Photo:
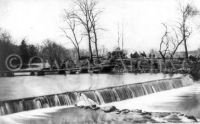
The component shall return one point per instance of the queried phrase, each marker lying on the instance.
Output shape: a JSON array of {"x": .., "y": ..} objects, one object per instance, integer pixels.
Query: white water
[{"x": 185, "y": 100}]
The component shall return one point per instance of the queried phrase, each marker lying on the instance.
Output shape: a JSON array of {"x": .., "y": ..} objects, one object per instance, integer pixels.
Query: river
[
  {"x": 31, "y": 86},
  {"x": 185, "y": 100}
]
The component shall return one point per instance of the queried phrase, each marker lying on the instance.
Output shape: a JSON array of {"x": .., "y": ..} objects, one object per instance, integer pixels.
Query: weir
[{"x": 98, "y": 96}]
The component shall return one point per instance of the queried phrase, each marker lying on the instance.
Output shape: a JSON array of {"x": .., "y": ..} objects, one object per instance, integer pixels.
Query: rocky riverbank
[
  {"x": 112, "y": 114},
  {"x": 95, "y": 115}
]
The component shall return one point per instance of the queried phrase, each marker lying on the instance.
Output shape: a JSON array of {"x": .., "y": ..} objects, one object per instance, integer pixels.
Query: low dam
[{"x": 93, "y": 96}]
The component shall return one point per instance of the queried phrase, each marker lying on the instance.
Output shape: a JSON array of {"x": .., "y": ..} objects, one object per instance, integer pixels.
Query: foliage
[
  {"x": 7, "y": 47},
  {"x": 26, "y": 52},
  {"x": 143, "y": 54},
  {"x": 135, "y": 55},
  {"x": 54, "y": 52}
]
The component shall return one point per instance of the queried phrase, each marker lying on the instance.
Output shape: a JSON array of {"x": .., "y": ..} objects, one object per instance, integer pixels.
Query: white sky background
[{"x": 37, "y": 20}]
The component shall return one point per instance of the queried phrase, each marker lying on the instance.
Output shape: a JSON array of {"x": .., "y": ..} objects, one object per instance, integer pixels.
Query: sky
[{"x": 38, "y": 20}]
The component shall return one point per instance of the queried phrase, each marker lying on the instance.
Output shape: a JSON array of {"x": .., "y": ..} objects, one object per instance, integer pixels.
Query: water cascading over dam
[{"x": 98, "y": 96}]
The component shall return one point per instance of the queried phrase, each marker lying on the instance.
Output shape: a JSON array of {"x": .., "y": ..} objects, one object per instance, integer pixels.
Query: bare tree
[
  {"x": 175, "y": 42},
  {"x": 72, "y": 27},
  {"x": 118, "y": 36},
  {"x": 170, "y": 43},
  {"x": 184, "y": 30},
  {"x": 83, "y": 16},
  {"x": 171, "y": 40},
  {"x": 54, "y": 52},
  {"x": 164, "y": 44},
  {"x": 122, "y": 33},
  {"x": 93, "y": 20},
  {"x": 87, "y": 15}
]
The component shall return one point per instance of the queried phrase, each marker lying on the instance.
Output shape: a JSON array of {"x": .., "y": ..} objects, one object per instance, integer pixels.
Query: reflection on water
[{"x": 21, "y": 87}]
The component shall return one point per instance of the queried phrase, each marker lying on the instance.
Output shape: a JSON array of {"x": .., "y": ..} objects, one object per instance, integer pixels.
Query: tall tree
[
  {"x": 72, "y": 27},
  {"x": 93, "y": 20},
  {"x": 83, "y": 16},
  {"x": 87, "y": 14},
  {"x": 186, "y": 12},
  {"x": 170, "y": 43}
]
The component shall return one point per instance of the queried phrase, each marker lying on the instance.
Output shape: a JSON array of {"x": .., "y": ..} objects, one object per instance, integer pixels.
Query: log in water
[{"x": 99, "y": 96}]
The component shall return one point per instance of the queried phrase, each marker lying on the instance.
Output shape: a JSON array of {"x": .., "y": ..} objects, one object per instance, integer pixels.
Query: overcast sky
[{"x": 37, "y": 20}]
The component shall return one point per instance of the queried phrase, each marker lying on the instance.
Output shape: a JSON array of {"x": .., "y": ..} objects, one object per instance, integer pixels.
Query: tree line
[
  {"x": 82, "y": 25},
  {"x": 83, "y": 22},
  {"x": 49, "y": 50}
]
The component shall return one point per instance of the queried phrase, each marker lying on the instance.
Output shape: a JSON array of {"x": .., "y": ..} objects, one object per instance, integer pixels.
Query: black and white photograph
[{"x": 99, "y": 61}]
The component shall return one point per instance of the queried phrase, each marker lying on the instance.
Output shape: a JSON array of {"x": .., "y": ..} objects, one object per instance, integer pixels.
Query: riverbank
[{"x": 94, "y": 115}]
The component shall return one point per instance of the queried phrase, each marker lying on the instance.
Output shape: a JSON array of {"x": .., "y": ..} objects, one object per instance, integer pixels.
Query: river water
[
  {"x": 185, "y": 100},
  {"x": 31, "y": 86}
]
